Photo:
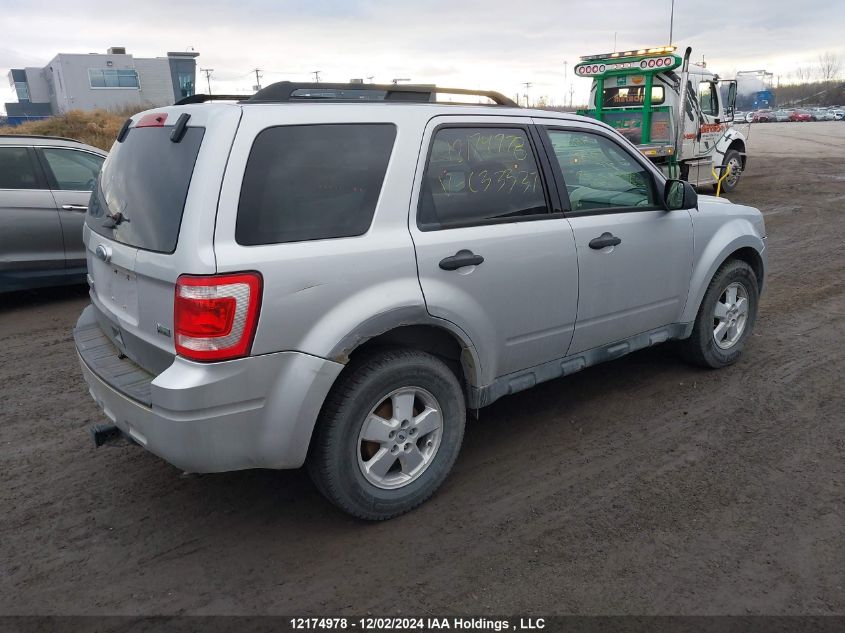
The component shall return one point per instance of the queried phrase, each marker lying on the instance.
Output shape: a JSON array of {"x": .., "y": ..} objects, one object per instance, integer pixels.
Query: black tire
[
  {"x": 333, "y": 458},
  {"x": 729, "y": 184},
  {"x": 701, "y": 348}
]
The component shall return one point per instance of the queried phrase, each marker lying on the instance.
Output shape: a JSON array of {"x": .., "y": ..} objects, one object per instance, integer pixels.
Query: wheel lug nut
[
  {"x": 413, "y": 431},
  {"x": 393, "y": 450},
  {"x": 407, "y": 447}
]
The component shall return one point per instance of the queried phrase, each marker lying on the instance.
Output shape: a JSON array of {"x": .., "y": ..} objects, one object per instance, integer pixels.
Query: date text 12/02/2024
[{"x": 417, "y": 624}]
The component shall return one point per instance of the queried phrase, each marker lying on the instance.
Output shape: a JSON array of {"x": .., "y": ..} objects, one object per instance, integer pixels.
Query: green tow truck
[{"x": 639, "y": 93}]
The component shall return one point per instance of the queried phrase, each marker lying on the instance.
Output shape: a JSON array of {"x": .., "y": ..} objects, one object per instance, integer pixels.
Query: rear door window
[
  {"x": 141, "y": 191},
  {"x": 480, "y": 175},
  {"x": 312, "y": 182}
]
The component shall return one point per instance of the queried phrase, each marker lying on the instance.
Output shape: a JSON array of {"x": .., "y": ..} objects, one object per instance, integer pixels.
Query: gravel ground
[{"x": 640, "y": 486}]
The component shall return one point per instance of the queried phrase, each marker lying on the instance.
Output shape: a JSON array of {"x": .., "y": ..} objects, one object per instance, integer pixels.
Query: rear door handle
[
  {"x": 74, "y": 207},
  {"x": 604, "y": 240},
  {"x": 460, "y": 259}
]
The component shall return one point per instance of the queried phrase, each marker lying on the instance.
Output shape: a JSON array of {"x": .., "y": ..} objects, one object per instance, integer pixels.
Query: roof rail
[
  {"x": 294, "y": 91},
  {"x": 46, "y": 136},
  {"x": 201, "y": 98}
]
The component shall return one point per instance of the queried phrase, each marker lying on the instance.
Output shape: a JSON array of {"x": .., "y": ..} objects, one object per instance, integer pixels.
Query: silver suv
[
  {"x": 45, "y": 183},
  {"x": 333, "y": 275}
]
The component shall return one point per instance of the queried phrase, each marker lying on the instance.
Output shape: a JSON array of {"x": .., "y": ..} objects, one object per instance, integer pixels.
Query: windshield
[{"x": 141, "y": 190}]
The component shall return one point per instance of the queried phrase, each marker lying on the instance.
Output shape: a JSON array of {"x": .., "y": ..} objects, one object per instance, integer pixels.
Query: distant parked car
[
  {"x": 739, "y": 116},
  {"x": 45, "y": 184},
  {"x": 781, "y": 115},
  {"x": 800, "y": 115},
  {"x": 763, "y": 116},
  {"x": 838, "y": 115},
  {"x": 821, "y": 114}
]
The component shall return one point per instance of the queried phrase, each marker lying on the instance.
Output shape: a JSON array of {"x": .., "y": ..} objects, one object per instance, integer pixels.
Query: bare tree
[
  {"x": 804, "y": 74},
  {"x": 829, "y": 65}
]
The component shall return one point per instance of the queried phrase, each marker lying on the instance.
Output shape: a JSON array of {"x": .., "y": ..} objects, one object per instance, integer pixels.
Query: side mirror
[
  {"x": 730, "y": 102},
  {"x": 679, "y": 194}
]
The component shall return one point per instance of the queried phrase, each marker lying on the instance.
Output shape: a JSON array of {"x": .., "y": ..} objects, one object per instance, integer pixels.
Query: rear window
[
  {"x": 312, "y": 182},
  {"x": 625, "y": 96},
  {"x": 141, "y": 191}
]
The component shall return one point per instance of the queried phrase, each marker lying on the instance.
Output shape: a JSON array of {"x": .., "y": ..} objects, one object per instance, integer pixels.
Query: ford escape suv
[{"x": 332, "y": 275}]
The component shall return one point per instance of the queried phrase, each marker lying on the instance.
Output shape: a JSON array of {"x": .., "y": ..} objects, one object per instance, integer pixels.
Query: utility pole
[
  {"x": 316, "y": 74},
  {"x": 527, "y": 85},
  {"x": 207, "y": 72},
  {"x": 257, "y": 79},
  {"x": 565, "y": 64},
  {"x": 671, "y": 22}
]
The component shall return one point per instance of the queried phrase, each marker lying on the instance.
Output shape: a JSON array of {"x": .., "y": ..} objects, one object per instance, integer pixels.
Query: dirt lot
[{"x": 640, "y": 486}]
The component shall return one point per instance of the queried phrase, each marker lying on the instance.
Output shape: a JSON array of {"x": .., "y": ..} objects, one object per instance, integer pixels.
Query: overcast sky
[{"x": 495, "y": 44}]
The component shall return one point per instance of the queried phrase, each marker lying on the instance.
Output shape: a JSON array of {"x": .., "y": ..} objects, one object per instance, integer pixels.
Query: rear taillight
[{"x": 215, "y": 317}]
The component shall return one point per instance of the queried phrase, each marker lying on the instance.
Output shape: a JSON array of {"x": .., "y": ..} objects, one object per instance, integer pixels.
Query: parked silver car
[
  {"x": 308, "y": 277},
  {"x": 45, "y": 183}
]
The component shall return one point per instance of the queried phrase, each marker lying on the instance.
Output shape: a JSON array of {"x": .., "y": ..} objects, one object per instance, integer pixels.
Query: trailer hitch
[{"x": 103, "y": 434}]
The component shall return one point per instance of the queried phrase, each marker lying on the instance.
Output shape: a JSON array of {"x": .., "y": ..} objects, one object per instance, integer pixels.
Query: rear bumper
[{"x": 255, "y": 412}]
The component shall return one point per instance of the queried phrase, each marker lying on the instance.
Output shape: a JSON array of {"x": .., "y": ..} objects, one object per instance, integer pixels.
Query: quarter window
[
  {"x": 16, "y": 170},
  {"x": 72, "y": 170},
  {"x": 599, "y": 174},
  {"x": 311, "y": 182},
  {"x": 480, "y": 176}
]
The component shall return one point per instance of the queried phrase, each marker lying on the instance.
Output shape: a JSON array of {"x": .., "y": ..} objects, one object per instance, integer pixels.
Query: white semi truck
[{"x": 640, "y": 93}]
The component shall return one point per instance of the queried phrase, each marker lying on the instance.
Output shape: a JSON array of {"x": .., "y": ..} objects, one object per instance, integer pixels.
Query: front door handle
[
  {"x": 460, "y": 259},
  {"x": 74, "y": 207},
  {"x": 604, "y": 240}
]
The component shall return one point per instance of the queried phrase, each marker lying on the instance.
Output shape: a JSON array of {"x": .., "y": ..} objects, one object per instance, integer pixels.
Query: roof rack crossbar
[{"x": 286, "y": 91}]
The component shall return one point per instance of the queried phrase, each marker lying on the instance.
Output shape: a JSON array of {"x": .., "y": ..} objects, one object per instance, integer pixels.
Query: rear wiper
[{"x": 114, "y": 219}]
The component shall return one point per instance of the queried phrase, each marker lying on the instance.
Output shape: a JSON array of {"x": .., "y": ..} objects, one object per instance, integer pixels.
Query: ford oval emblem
[{"x": 103, "y": 253}]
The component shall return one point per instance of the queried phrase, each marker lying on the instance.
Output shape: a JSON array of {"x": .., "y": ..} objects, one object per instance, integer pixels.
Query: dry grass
[{"x": 97, "y": 127}]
